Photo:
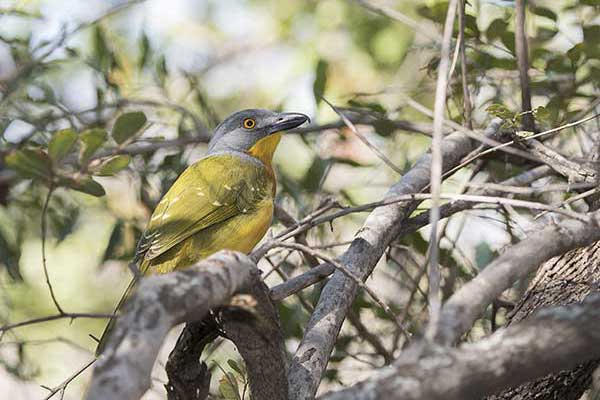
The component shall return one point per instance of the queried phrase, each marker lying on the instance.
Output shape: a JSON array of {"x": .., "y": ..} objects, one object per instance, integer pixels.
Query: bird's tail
[{"x": 111, "y": 324}]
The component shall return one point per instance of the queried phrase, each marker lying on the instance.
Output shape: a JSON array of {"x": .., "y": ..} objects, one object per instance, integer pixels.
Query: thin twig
[
  {"x": 44, "y": 265},
  {"x": 436, "y": 161},
  {"x": 402, "y": 18},
  {"x": 523, "y": 65},
  {"x": 506, "y": 144},
  {"x": 463, "y": 65},
  {"x": 64, "y": 315},
  {"x": 363, "y": 139},
  {"x": 62, "y": 387},
  {"x": 339, "y": 266}
]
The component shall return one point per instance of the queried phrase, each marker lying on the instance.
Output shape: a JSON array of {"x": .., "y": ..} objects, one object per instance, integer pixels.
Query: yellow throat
[{"x": 265, "y": 148}]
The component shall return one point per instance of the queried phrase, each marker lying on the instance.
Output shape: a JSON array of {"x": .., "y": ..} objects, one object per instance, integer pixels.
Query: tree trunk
[{"x": 562, "y": 280}]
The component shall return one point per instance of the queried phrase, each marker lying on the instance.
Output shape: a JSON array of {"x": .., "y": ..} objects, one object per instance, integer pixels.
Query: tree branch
[
  {"x": 523, "y": 65},
  {"x": 161, "y": 302},
  {"x": 469, "y": 302},
  {"x": 555, "y": 339},
  {"x": 380, "y": 228}
]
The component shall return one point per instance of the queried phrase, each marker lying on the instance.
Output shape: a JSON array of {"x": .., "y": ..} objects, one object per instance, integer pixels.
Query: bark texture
[
  {"x": 562, "y": 280},
  {"x": 552, "y": 339},
  {"x": 161, "y": 302}
]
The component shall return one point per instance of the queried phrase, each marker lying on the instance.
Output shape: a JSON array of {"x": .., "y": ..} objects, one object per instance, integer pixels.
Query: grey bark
[
  {"x": 380, "y": 228},
  {"x": 562, "y": 280},
  {"x": 161, "y": 302},
  {"x": 552, "y": 340},
  {"x": 468, "y": 303}
]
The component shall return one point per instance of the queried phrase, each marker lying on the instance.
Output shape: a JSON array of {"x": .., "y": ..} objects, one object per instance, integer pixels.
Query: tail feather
[{"x": 111, "y": 324}]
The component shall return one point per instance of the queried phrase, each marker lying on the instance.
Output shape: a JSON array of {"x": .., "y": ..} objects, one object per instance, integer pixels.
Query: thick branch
[
  {"x": 380, "y": 228},
  {"x": 573, "y": 171},
  {"x": 469, "y": 302},
  {"x": 161, "y": 302},
  {"x": 553, "y": 340},
  {"x": 258, "y": 337}
]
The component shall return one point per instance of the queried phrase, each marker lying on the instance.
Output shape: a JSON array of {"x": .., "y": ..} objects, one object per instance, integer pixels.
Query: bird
[{"x": 225, "y": 200}]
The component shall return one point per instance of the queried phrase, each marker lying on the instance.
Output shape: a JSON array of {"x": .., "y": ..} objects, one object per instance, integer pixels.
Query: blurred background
[{"x": 186, "y": 64}]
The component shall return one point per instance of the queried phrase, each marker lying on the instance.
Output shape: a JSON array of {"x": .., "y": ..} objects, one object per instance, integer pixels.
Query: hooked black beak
[{"x": 286, "y": 121}]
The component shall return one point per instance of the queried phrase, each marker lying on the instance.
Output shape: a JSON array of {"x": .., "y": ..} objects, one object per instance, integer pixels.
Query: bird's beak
[{"x": 286, "y": 121}]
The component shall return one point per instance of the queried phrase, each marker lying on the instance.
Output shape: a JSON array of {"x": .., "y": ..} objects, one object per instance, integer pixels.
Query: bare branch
[
  {"x": 555, "y": 339},
  {"x": 64, "y": 315},
  {"x": 468, "y": 303},
  {"x": 522, "y": 51},
  {"x": 161, "y": 302},
  {"x": 434, "y": 300},
  {"x": 380, "y": 228},
  {"x": 463, "y": 65}
]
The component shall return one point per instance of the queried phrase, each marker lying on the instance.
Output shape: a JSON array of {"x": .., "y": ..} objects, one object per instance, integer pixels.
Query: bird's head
[{"x": 254, "y": 131}]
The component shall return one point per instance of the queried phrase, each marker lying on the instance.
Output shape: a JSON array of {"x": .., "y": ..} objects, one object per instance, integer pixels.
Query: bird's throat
[{"x": 265, "y": 148}]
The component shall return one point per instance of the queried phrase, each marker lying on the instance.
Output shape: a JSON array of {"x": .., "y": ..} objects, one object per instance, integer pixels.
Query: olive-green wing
[{"x": 210, "y": 191}]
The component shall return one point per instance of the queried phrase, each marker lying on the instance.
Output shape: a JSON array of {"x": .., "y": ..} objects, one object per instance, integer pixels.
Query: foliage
[{"x": 106, "y": 114}]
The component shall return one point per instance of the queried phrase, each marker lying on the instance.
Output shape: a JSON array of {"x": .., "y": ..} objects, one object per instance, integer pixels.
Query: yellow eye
[{"x": 249, "y": 123}]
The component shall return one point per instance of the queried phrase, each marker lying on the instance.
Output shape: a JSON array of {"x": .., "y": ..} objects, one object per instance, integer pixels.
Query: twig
[
  {"x": 400, "y": 17},
  {"x": 516, "y": 262},
  {"x": 61, "y": 388},
  {"x": 64, "y": 315},
  {"x": 339, "y": 266},
  {"x": 506, "y": 144},
  {"x": 363, "y": 139},
  {"x": 523, "y": 65},
  {"x": 436, "y": 163},
  {"x": 463, "y": 65},
  {"x": 314, "y": 275},
  {"x": 44, "y": 265},
  {"x": 572, "y": 200}
]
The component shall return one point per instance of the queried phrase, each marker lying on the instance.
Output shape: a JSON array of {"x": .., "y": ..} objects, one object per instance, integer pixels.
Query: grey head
[{"x": 241, "y": 130}]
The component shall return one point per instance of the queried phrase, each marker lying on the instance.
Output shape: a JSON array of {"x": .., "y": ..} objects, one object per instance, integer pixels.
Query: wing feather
[{"x": 212, "y": 190}]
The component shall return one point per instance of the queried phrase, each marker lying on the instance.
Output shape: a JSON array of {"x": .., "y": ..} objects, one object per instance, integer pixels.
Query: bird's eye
[{"x": 249, "y": 123}]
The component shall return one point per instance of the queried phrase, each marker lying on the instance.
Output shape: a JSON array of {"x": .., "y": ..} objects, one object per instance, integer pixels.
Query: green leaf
[
  {"x": 471, "y": 28},
  {"x": 541, "y": 113},
  {"x": 9, "y": 256},
  {"x": 91, "y": 140},
  {"x": 320, "y": 80},
  {"x": 545, "y": 34},
  {"x": 575, "y": 52},
  {"x": 61, "y": 144},
  {"x": 370, "y": 105},
  {"x": 500, "y": 111},
  {"x": 591, "y": 33},
  {"x": 127, "y": 125},
  {"x": 312, "y": 179},
  {"x": 101, "y": 52},
  {"x": 236, "y": 367},
  {"x": 161, "y": 70},
  {"x": 228, "y": 387},
  {"x": 116, "y": 237},
  {"x": 435, "y": 12},
  {"x": 144, "y": 51},
  {"x": 544, "y": 12},
  {"x": 87, "y": 185},
  {"x": 112, "y": 165},
  {"x": 496, "y": 29},
  {"x": 31, "y": 163},
  {"x": 384, "y": 127}
]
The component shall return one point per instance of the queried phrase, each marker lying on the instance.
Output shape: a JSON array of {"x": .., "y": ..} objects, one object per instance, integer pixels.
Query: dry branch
[
  {"x": 380, "y": 228},
  {"x": 469, "y": 302},
  {"x": 555, "y": 339},
  {"x": 161, "y": 302}
]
